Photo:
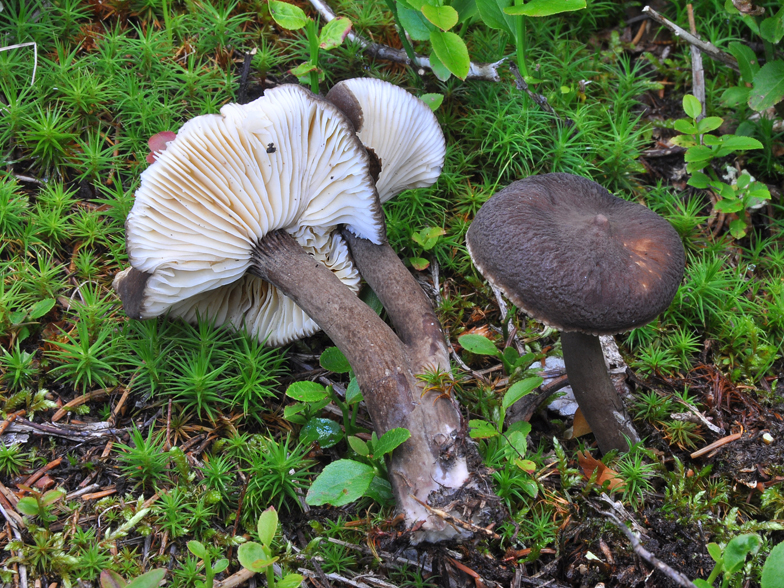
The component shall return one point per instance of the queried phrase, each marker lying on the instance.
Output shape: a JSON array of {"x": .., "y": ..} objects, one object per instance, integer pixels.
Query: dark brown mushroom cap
[{"x": 572, "y": 255}]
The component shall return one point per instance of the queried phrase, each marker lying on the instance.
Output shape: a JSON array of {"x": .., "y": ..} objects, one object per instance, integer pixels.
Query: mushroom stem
[
  {"x": 434, "y": 457},
  {"x": 594, "y": 391}
]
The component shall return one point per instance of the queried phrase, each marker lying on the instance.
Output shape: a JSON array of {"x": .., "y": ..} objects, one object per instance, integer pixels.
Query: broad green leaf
[
  {"x": 691, "y": 106},
  {"x": 334, "y": 32},
  {"x": 683, "y": 141},
  {"x": 381, "y": 491},
  {"x": 698, "y": 180},
  {"x": 444, "y": 17},
  {"x": 452, "y": 52},
  {"x": 151, "y": 579},
  {"x": 325, "y": 432},
  {"x": 333, "y": 360},
  {"x": 419, "y": 263},
  {"x": 254, "y": 557},
  {"x": 267, "y": 526},
  {"x": 197, "y": 548},
  {"x": 738, "y": 228},
  {"x": 479, "y": 429},
  {"x": 732, "y": 143},
  {"x": 747, "y": 60},
  {"x": 340, "y": 483},
  {"x": 432, "y": 100},
  {"x": 418, "y": 4},
  {"x": 708, "y": 124},
  {"x": 287, "y": 15},
  {"x": 518, "y": 444},
  {"x": 291, "y": 413},
  {"x": 714, "y": 550},
  {"x": 492, "y": 14},
  {"x": 390, "y": 440},
  {"x": 728, "y": 206},
  {"x": 372, "y": 300},
  {"x": 735, "y": 96},
  {"x": 220, "y": 565},
  {"x": 699, "y": 153},
  {"x": 738, "y": 548},
  {"x": 768, "y": 86},
  {"x": 523, "y": 427},
  {"x": 111, "y": 579},
  {"x": 478, "y": 344},
  {"x": 545, "y": 7},
  {"x": 683, "y": 125},
  {"x": 353, "y": 392},
  {"x": 358, "y": 445},
  {"x": 40, "y": 308},
  {"x": 439, "y": 69},
  {"x": 415, "y": 23},
  {"x": 526, "y": 465},
  {"x": 772, "y": 28},
  {"x": 307, "y": 391},
  {"x": 520, "y": 389},
  {"x": 510, "y": 356},
  {"x": 28, "y": 505},
  {"x": 465, "y": 8},
  {"x": 772, "y": 575},
  {"x": 290, "y": 581},
  {"x": 302, "y": 71},
  {"x": 52, "y": 496}
]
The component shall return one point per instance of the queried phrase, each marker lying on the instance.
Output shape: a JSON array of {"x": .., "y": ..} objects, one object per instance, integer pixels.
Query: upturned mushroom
[
  {"x": 583, "y": 261},
  {"x": 232, "y": 196}
]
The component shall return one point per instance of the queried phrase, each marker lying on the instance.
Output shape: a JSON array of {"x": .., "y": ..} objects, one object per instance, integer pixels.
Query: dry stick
[
  {"x": 476, "y": 71},
  {"x": 716, "y": 445},
  {"x": 22, "y": 569},
  {"x": 707, "y": 48},
  {"x": 697, "y": 73},
  {"x": 236, "y": 579}
]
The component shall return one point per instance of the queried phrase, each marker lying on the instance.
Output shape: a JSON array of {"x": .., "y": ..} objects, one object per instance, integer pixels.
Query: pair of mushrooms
[{"x": 248, "y": 217}]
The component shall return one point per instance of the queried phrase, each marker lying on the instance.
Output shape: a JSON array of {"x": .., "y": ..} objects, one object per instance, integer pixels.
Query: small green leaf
[
  {"x": 772, "y": 28},
  {"x": 267, "y": 526},
  {"x": 220, "y": 565},
  {"x": 728, "y": 206},
  {"x": 700, "y": 583},
  {"x": 683, "y": 141},
  {"x": 520, "y": 389},
  {"x": 492, "y": 14},
  {"x": 692, "y": 106},
  {"x": 714, "y": 550},
  {"x": 52, "y": 496},
  {"x": 40, "y": 308},
  {"x": 732, "y": 143},
  {"x": 526, "y": 465},
  {"x": 523, "y": 427},
  {"x": 353, "y": 392},
  {"x": 439, "y": 69},
  {"x": 334, "y": 32},
  {"x": 415, "y": 23},
  {"x": 307, "y": 391},
  {"x": 708, "y": 124},
  {"x": 390, "y": 440},
  {"x": 333, "y": 360},
  {"x": 254, "y": 557},
  {"x": 358, "y": 445},
  {"x": 197, "y": 548},
  {"x": 698, "y": 180},
  {"x": 289, "y": 581},
  {"x": 738, "y": 548},
  {"x": 432, "y": 100},
  {"x": 735, "y": 96},
  {"x": 768, "y": 86},
  {"x": 738, "y": 228},
  {"x": 325, "y": 432},
  {"x": 151, "y": 579},
  {"x": 111, "y": 579},
  {"x": 303, "y": 70},
  {"x": 545, "y": 7},
  {"x": 381, "y": 491},
  {"x": 517, "y": 443},
  {"x": 478, "y": 344},
  {"x": 479, "y": 429},
  {"x": 699, "y": 153},
  {"x": 28, "y": 505},
  {"x": 287, "y": 15},
  {"x": 683, "y": 125},
  {"x": 772, "y": 576},
  {"x": 340, "y": 483},
  {"x": 747, "y": 60},
  {"x": 452, "y": 52},
  {"x": 444, "y": 17},
  {"x": 419, "y": 263}
]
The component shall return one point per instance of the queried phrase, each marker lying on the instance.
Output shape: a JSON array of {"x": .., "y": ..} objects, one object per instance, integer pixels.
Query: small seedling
[
  {"x": 510, "y": 358},
  {"x": 257, "y": 557},
  {"x": 40, "y": 505},
  {"x": 731, "y": 559},
  {"x": 152, "y": 579},
  {"x": 210, "y": 570},
  {"x": 426, "y": 239}
]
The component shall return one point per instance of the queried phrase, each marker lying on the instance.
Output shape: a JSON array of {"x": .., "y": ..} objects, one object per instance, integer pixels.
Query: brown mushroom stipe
[{"x": 572, "y": 255}]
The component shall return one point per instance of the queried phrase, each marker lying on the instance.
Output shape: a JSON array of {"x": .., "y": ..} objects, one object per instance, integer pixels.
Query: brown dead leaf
[
  {"x": 580, "y": 426},
  {"x": 589, "y": 464}
]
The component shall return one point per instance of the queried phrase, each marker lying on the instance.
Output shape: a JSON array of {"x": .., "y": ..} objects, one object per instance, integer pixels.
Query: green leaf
[
  {"x": 768, "y": 86},
  {"x": 732, "y": 143},
  {"x": 353, "y": 392},
  {"x": 517, "y": 440},
  {"x": 307, "y": 391},
  {"x": 492, "y": 14},
  {"x": 333, "y": 360},
  {"x": 738, "y": 228},
  {"x": 735, "y": 96},
  {"x": 683, "y": 125},
  {"x": 520, "y": 389},
  {"x": 479, "y": 429},
  {"x": 254, "y": 557},
  {"x": 340, "y": 483},
  {"x": 714, "y": 550},
  {"x": 683, "y": 141},
  {"x": 302, "y": 71},
  {"x": 197, "y": 548},
  {"x": 111, "y": 579},
  {"x": 465, "y": 8},
  {"x": 325, "y": 432},
  {"x": 772, "y": 576},
  {"x": 419, "y": 263},
  {"x": 292, "y": 413},
  {"x": 334, "y": 32},
  {"x": 698, "y": 180},
  {"x": 40, "y": 308},
  {"x": 747, "y": 60},
  {"x": 691, "y": 106},
  {"x": 415, "y": 23},
  {"x": 478, "y": 344},
  {"x": 289, "y": 581},
  {"x": 452, "y": 52},
  {"x": 432, "y": 100},
  {"x": 381, "y": 491},
  {"x": 28, "y": 505},
  {"x": 358, "y": 445},
  {"x": 708, "y": 124},
  {"x": 699, "y": 583},
  {"x": 151, "y": 579},
  {"x": 390, "y": 440},
  {"x": 699, "y": 153},
  {"x": 51, "y": 497},
  {"x": 444, "y": 17},
  {"x": 545, "y": 7},
  {"x": 287, "y": 15},
  {"x": 439, "y": 69},
  {"x": 772, "y": 28},
  {"x": 738, "y": 548},
  {"x": 728, "y": 206},
  {"x": 523, "y": 427},
  {"x": 220, "y": 565},
  {"x": 267, "y": 526}
]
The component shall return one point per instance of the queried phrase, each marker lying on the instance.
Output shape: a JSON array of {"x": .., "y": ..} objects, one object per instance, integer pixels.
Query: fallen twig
[
  {"x": 236, "y": 579},
  {"x": 79, "y": 400},
  {"x": 90, "y": 431},
  {"x": 476, "y": 71},
  {"x": 716, "y": 445},
  {"x": 708, "y": 48},
  {"x": 697, "y": 73}
]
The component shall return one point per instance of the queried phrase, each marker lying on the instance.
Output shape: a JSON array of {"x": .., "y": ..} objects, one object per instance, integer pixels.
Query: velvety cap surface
[{"x": 570, "y": 254}]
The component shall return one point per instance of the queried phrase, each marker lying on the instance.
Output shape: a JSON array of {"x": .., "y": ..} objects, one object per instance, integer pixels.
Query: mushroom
[
  {"x": 231, "y": 199},
  {"x": 583, "y": 261}
]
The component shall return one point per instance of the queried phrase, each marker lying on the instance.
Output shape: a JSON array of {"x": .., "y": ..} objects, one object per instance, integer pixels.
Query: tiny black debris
[{"x": 271, "y": 148}]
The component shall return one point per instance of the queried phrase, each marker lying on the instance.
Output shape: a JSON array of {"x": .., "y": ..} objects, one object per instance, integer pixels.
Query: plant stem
[
  {"x": 313, "y": 43},
  {"x": 271, "y": 577},
  {"x": 402, "y": 32},
  {"x": 167, "y": 23},
  {"x": 520, "y": 41}
]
